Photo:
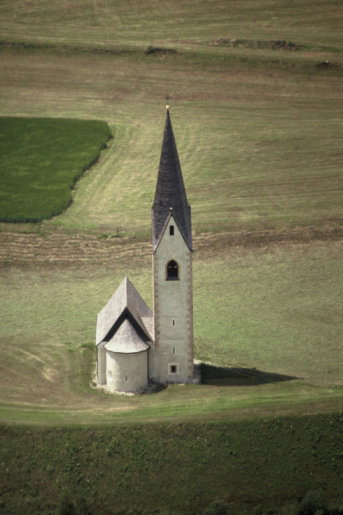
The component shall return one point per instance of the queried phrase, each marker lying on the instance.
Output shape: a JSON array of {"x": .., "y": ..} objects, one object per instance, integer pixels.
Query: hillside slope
[
  {"x": 256, "y": 97},
  {"x": 258, "y": 127}
]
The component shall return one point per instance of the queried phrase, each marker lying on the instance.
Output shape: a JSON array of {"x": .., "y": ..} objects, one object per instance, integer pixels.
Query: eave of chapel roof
[
  {"x": 125, "y": 298},
  {"x": 170, "y": 191}
]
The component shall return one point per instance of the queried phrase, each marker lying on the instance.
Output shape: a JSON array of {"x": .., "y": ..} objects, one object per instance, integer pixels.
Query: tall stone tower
[{"x": 171, "y": 356}]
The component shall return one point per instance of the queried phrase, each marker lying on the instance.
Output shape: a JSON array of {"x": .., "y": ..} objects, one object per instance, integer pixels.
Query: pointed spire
[{"x": 170, "y": 195}]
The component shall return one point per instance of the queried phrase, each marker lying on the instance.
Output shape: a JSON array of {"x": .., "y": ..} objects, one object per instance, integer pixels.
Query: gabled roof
[
  {"x": 126, "y": 340},
  {"x": 125, "y": 299},
  {"x": 165, "y": 225},
  {"x": 170, "y": 191}
]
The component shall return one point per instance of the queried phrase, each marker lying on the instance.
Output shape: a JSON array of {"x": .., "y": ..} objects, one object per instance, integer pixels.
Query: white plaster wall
[
  {"x": 101, "y": 364},
  {"x": 173, "y": 310},
  {"x": 126, "y": 372}
]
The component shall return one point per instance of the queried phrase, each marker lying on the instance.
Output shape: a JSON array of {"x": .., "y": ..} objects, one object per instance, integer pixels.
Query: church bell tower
[{"x": 171, "y": 356}]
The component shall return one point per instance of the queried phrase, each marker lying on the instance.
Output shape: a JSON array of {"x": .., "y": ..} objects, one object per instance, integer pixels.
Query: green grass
[
  {"x": 259, "y": 134},
  {"x": 262, "y": 311},
  {"x": 41, "y": 161},
  {"x": 258, "y": 130},
  {"x": 245, "y": 167},
  {"x": 264, "y": 307},
  {"x": 172, "y": 467},
  {"x": 118, "y": 24}
]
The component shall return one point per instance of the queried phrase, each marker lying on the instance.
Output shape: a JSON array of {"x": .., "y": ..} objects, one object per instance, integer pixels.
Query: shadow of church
[{"x": 234, "y": 376}]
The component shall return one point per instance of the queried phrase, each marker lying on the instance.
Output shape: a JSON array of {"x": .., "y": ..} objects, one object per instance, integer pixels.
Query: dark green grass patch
[
  {"x": 41, "y": 159},
  {"x": 172, "y": 468}
]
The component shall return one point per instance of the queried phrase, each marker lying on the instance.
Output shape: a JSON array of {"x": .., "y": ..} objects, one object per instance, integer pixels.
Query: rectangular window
[
  {"x": 171, "y": 230},
  {"x": 173, "y": 369},
  {"x": 173, "y": 350}
]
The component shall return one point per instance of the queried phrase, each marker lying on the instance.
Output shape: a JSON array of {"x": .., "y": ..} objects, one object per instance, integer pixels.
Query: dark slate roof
[
  {"x": 125, "y": 302},
  {"x": 170, "y": 191}
]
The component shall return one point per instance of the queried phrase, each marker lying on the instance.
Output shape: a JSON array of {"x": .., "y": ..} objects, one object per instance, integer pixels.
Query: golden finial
[{"x": 168, "y": 97}]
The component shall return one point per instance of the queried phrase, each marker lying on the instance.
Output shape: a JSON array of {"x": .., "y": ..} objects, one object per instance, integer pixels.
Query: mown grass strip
[{"x": 41, "y": 160}]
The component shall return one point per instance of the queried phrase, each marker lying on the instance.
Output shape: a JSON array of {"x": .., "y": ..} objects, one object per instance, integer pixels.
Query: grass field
[
  {"x": 41, "y": 161},
  {"x": 174, "y": 468},
  {"x": 262, "y": 312},
  {"x": 258, "y": 128},
  {"x": 259, "y": 141},
  {"x": 246, "y": 166}
]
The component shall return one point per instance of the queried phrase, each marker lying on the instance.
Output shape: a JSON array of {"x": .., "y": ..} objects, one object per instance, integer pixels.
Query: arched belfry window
[{"x": 172, "y": 271}]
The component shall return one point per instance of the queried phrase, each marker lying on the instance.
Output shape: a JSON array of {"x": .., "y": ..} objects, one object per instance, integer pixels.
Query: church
[{"x": 135, "y": 346}]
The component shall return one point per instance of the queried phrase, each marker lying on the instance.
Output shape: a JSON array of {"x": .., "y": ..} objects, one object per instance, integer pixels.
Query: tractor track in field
[{"x": 60, "y": 249}]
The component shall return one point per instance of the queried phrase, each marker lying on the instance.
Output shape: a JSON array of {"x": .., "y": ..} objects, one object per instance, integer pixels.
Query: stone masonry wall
[{"x": 171, "y": 358}]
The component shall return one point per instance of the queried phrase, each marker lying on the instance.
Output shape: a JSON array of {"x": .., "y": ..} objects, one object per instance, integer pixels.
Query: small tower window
[
  {"x": 173, "y": 369},
  {"x": 172, "y": 271},
  {"x": 171, "y": 230}
]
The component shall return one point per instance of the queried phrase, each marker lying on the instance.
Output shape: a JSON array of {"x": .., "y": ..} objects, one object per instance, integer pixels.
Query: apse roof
[{"x": 126, "y": 340}]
